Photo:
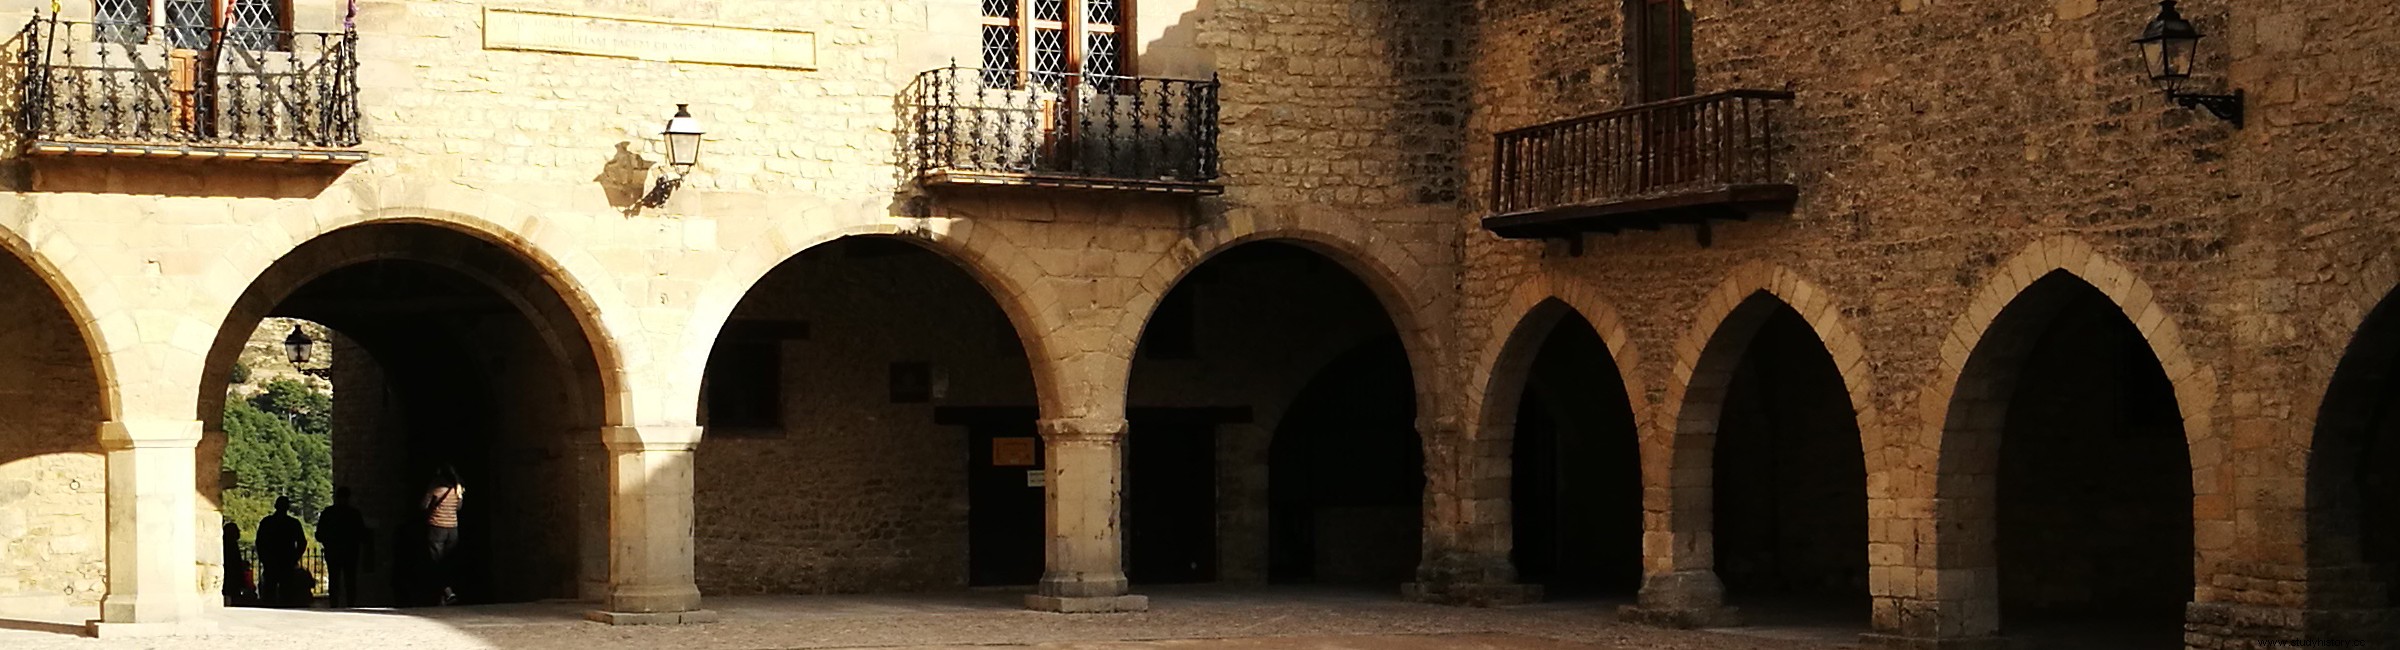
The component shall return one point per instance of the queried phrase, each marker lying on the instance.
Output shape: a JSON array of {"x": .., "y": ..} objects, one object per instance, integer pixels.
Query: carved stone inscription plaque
[{"x": 648, "y": 39}]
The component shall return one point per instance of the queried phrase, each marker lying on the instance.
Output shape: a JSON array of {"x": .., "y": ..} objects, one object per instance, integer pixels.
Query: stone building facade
[{"x": 2019, "y": 316}]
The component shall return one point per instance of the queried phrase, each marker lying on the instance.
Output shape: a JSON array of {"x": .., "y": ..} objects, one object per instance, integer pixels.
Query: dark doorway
[
  {"x": 1577, "y": 486},
  {"x": 2094, "y": 489},
  {"x": 2354, "y": 473},
  {"x": 1171, "y": 494},
  {"x": 1791, "y": 480},
  {"x": 433, "y": 368},
  {"x": 1348, "y": 484},
  {"x": 1004, "y": 494}
]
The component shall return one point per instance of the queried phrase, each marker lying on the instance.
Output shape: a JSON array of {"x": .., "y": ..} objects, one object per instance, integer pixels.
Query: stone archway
[
  {"x": 1274, "y": 355},
  {"x": 457, "y": 350},
  {"x": 1800, "y": 332},
  {"x": 1558, "y": 401},
  {"x": 869, "y": 412},
  {"x": 2071, "y": 413},
  {"x": 54, "y": 478},
  {"x": 2353, "y": 542}
]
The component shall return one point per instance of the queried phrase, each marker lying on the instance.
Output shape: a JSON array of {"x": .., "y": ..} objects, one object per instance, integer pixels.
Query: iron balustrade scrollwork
[
  {"x": 1686, "y": 144},
  {"x": 1087, "y": 126},
  {"x": 197, "y": 86}
]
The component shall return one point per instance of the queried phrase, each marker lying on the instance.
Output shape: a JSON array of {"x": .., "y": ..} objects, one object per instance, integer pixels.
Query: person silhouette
[
  {"x": 442, "y": 501},
  {"x": 280, "y": 545},
  {"x": 239, "y": 589},
  {"x": 348, "y": 543}
]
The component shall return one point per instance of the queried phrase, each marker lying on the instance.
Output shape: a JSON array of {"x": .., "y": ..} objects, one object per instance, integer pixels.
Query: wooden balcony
[{"x": 1686, "y": 160}]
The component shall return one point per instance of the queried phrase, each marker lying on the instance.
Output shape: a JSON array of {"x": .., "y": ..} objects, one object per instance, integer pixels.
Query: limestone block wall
[
  {"x": 53, "y": 482},
  {"x": 1937, "y": 178},
  {"x": 856, "y": 493},
  {"x": 1335, "y": 134}
]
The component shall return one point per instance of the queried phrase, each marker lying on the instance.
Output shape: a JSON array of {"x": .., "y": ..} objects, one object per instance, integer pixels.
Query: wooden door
[
  {"x": 1663, "y": 55},
  {"x": 1004, "y": 497}
]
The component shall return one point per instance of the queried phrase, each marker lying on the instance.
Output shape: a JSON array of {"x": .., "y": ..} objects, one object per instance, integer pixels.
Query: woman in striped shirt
[{"x": 441, "y": 526}]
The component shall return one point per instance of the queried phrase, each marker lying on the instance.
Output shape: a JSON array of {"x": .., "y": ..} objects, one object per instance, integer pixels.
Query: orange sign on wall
[{"x": 1013, "y": 452}]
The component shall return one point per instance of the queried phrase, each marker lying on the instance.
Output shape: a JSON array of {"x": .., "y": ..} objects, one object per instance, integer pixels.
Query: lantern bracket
[
  {"x": 660, "y": 192},
  {"x": 2225, "y": 107}
]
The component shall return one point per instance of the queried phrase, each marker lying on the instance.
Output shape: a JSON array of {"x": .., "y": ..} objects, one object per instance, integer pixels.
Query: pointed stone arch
[
  {"x": 2343, "y": 571},
  {"x": 1680, "y": 583},
  {"x": 1498, "y": 374},
  {"x": 1964, "y": 408},
  {"x": 1495, "y": 389}
]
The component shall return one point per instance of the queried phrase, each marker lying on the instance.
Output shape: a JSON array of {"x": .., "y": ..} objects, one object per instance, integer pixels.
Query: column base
[
  {"x": 99, "y": 630},
  {"x": 1901, "y": 642},
  {"x": 2230, "y": 626},
  {"x": 1087, "y": 604},
  {"x": 1471, "y": 594},
  {"x": 1682, "y": 599},
  {"x": 693, "y": 617},
  {"x": 652, "y": 600},
  {"x": 1684, "y": 618}
]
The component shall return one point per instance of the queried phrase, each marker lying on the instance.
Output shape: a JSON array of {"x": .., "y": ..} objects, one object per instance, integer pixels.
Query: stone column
[
  {"x": 1469, "y": 530},
  {"x": 650, "y": 524},
  {"x": 591, "y": 471},
  {"x": 153, "y": 563},
  {"x": 1679, "y": 576},
  {"x": 1082, "y": 504}
]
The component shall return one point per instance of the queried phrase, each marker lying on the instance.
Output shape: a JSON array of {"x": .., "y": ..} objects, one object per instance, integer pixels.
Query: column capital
[
  {"x": 1441, "y": 426},
  {"x": 1083, "y": 429},
  {"x": 150, "y": 434},
  {"x": 651, "y": 438}
]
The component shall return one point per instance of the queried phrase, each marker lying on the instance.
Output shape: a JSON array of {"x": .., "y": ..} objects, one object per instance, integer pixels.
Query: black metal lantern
[
  {"x": 683, "y": 151},
  {"x": 298, "y": 347},
  {"x": 683, "y": 139},
  {"x": 2170, "y": 45}
]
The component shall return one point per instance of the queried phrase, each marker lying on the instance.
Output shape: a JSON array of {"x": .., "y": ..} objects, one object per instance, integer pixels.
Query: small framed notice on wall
[{"x": 1014, "y": 452}]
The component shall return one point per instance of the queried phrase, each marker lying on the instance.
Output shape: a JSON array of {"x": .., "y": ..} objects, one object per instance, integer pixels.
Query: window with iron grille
[
  {"x": 257, "y": 25},
  {"x": 121, "y": 21},
  {"x": 189, "y": 23},
  {"x": 1042, "y": 41}
]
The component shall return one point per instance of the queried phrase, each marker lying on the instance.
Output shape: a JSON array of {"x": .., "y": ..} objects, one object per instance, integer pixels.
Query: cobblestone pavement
[{"x": 1180, "y": 620}]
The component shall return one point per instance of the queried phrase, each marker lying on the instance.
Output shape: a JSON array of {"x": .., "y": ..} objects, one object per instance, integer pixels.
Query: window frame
[
  {"x": 156, "y": 19},
  {"x": 1076, "y": 32},
  {"x": 1672, "y": 59}
]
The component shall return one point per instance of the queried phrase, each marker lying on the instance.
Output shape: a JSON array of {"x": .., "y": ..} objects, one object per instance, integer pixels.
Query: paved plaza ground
[{"x": 1275, "y": 619}]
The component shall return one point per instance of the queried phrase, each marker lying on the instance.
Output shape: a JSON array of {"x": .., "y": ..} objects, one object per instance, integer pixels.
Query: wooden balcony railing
[{"x": 1647, "y": 163}]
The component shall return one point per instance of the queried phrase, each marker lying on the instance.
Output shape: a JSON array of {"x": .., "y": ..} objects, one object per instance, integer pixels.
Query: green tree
[
  {"x": 278, "y": 443},
  {"x": 303, "y": 406}
]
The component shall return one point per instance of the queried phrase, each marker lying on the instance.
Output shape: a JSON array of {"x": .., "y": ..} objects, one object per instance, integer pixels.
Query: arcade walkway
[{"x": 1181, "y": 619}]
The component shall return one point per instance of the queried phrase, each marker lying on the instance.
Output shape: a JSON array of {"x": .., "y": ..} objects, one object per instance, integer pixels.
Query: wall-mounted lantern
[
  {"x": 2169, "y": 47},
  {"x": 683, "y": 151}
]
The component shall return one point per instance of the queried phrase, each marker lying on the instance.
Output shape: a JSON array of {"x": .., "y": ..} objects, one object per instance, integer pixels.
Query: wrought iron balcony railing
[
  {"x": 188, "y": 92},
  {"x": 1003, "y": 127},
  {"x": 1685, "y": 155}
]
